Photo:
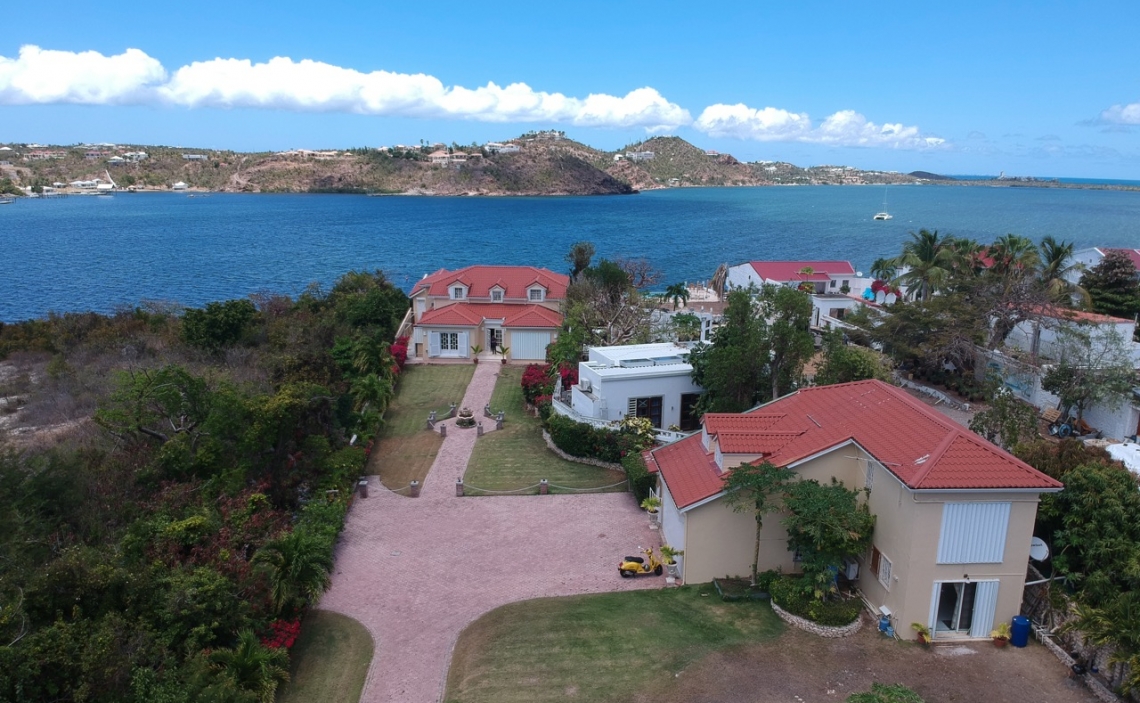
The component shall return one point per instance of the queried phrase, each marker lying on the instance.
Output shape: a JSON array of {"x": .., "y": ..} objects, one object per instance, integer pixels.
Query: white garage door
[{"x": 530, "y": 346}]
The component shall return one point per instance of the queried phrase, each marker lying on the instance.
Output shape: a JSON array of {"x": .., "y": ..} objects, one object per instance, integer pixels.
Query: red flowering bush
[
  {"x": 536, "y": 381},
  {"x": 569, "y": 374},
  {"x": 399, "y": 351},
  {"x": 282, "y": 633}
]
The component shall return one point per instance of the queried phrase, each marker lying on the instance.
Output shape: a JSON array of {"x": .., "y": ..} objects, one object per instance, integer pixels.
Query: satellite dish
[{"x": 1038, "y": 550}]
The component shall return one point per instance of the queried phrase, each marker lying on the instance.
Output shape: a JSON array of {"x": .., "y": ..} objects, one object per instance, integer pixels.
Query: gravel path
[{"x": 416, "y": 571}]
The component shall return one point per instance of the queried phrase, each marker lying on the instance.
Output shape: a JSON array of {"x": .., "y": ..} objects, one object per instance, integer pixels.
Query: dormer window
[
  {"x": 536, "y": 295},
  {"x": 458, "y": 292},
  {"x": 496, "y": 295}
]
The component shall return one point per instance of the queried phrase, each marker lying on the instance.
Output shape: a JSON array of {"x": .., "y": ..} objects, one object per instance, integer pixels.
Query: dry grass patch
[
  {"x": 517, "y": 456},
  {"x": 405, "y": 448}
]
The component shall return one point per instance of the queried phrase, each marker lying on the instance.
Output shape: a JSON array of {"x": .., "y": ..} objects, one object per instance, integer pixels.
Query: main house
[
  {"x": 836, "y": 288},
  {"x": 954, "y": 513},
  {"x": 490, "y": 307}
]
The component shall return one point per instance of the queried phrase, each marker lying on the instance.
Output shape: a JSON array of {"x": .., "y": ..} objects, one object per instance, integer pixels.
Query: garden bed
[{"x": 738, "y": 589}]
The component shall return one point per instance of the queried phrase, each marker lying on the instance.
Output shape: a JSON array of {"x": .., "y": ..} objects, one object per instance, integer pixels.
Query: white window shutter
[
  {"x": 985, "y": 603},
  {"x": 464, "y": 350},
  {"x": 433, "y": 344},
  {"x": 973, "y": 533}
]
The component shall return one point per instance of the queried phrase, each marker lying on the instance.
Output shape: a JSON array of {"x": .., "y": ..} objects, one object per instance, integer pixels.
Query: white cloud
[
  {"x": 844, "y": 128},
  {"x": 88, "y": 77},
  {"x": 1122, "y": 114},
  {"x": 39, "y": 76}
]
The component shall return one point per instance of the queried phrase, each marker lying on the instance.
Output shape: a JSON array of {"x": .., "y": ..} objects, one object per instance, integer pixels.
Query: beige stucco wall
[{"x": 719, "y": 542}]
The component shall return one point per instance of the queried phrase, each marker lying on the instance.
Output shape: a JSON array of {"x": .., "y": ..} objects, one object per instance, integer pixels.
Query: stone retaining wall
[
  {"x": 816, "y": 629},
  {"x": 579, "y": 459}
]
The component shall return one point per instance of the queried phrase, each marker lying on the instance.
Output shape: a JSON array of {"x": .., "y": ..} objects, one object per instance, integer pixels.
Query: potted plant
[
  {"x": 650, "y": 505},
  {"x": 924, "y": 636},
  {"x": 506, "y": 350},
  {"x": 1001, "y": 634},
  {"x": 669, "y": 556},
  {"x": 476, "y": 350}
]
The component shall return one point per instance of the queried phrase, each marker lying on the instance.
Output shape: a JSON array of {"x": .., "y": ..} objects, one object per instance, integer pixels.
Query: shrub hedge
[
  {"x": 788, "y": 593},
  {"x": 640, "y": 480},
  {"x": 580, "y": 439}
]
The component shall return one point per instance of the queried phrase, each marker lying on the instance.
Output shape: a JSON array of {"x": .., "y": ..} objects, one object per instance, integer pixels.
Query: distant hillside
[
  {"x": 928, "y": 176},
  {"x": 537, "y": 163}
]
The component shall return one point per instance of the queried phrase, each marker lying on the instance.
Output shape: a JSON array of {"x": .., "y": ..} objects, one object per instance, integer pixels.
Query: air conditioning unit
[
  {"x": 850, "y": 569},
  {"x": 584, "y": 385}
]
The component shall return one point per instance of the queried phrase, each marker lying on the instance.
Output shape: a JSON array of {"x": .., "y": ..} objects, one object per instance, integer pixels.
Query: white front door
[{"x": 963, "y": 607}]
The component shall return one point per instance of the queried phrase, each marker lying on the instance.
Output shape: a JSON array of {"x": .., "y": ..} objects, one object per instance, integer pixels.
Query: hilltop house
[
  {"x": 487, "y": 306},
  {"x": 954, "y": 513},
  {"x": 634, "y": 380}
]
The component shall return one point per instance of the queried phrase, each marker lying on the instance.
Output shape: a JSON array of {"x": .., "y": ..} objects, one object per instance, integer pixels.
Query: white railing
[
  {"x": 662, "y": 436},
  {"x": 405, "y": 328}
]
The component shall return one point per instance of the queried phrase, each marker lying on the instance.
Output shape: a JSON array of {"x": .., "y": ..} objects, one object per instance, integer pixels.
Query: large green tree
[
  {"x": 1113, "y": 286},
  {"x": 732, "y": 369},
  {"x": 786, "y": 314},
  {"x": 756, "y": 489},
  {"x": 826, "y": 523},
  {"x": 928, "y": 262},
  {"x": 844, "y": 362},
  {"x": 297, "y": 566},
  {"x": 1094, "y": 367}
]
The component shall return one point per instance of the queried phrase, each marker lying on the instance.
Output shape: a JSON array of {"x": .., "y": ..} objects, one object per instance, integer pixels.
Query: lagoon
[{"x": 100, "y": 253}]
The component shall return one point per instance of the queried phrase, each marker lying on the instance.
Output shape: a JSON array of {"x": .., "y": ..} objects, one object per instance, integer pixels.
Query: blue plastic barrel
[{"x": 1019, "y": 635}]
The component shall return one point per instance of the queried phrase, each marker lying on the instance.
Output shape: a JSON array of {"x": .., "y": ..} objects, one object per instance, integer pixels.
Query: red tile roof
[
  {"x": 1079, "y": 315},
  {"x": 924, "y": 449},
  {"x": 514, "y": 280},
  {"x": 472, "y": 314},
  {"x": 790, "y": 270}
]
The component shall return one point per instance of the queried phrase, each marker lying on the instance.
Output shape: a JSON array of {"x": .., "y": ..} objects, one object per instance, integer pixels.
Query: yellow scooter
[{"x": 636, "y": 566}]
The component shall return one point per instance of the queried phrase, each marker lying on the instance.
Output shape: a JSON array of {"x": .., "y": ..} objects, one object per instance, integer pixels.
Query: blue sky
[{"x": 1041, "y": 88}]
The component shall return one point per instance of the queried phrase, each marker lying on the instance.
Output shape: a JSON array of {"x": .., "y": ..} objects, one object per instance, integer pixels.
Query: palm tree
[
  {"x": 297, "y": 566},
  {"x": 253, "y": 666},
  {"x": 372, "y": 390},
  {"x": 677, "y": 292},
  {"x": 1014, "y": 255},
  {"x": 884, "y": 269},
  {"x": 929, "y": 261},
  {"x": 1055, "y": 267}
]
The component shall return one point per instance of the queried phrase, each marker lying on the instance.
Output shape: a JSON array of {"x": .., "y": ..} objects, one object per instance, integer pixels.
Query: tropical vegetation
[{"x": 171, "y": 502}]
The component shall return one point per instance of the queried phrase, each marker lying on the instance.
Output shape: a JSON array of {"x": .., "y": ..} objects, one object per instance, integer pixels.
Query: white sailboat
[{"x": 884, "y": 215}]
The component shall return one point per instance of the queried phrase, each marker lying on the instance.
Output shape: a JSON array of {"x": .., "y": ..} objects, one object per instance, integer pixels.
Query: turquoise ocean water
[{"x": 96, "y": 253}]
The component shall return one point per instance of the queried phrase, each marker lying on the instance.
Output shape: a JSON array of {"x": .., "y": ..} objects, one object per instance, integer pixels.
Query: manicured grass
[
  {"x": 329, "y": 661},
  {"x": 598, "y": 647},
  {"x": 406, "y": 448},
  {"x": 516, "y": 456}
]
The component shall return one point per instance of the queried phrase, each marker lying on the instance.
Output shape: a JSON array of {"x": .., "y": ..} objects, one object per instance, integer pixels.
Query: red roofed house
[
  {"x": 489, "y": 306},
  {"x": 836, "y": 287},
  {"x": 954, "y": 513},
  {"x": 1093, "y": 256}
]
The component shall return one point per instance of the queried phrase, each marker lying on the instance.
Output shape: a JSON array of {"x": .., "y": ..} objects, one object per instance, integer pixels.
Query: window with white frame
[
  {"x": 497, "y": 295},
  {"x": 449, "y": 341},
  {"x": 833, "y": 284},
  {"x": 458, "y": 292},
  {"x": 536, "y": 295},
  {"x": 881, "y": 566}
]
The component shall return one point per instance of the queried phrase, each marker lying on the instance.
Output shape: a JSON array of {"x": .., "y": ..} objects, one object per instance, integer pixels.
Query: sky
[{"x": 1029, "y": 88}]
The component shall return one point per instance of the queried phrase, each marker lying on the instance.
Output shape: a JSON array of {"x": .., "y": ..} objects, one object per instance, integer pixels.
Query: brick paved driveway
[{"x": 416, "y": 571}]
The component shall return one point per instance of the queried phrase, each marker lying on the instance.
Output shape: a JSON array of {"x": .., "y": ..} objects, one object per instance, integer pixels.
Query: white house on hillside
[
  {"x": 636, "y": 380},
  {"x": 836, "y": 287}
]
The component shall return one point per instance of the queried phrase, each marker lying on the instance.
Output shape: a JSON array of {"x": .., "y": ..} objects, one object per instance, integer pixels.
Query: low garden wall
[
  {"x": 820, "y": 630},
  {"x": 578, "y": 459}
]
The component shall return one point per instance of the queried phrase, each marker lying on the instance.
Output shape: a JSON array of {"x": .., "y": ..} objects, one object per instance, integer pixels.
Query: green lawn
[
  {"x": 516, "y": 456},
  {"x": 329, "y": 660},
  {"x": 406, "y": 449},
  {"x": 598, "y": 647}
]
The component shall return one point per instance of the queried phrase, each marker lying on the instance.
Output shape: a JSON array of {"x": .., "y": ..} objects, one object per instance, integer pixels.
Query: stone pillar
[
  {"x": 487, "y": 410},
  {"x": 362, "y": 487},
  {"x": 459, "y": 487},
  {"x": 431, "y": 420},
  {"x": 499, "y": 422},
  {"x": 451, "y": 413},
  {"x": 443, "y": 430},
  {"x": 414, "y": 487},
  {"x": 479, "y": 429},
  {"x": 543, "y": 487}
]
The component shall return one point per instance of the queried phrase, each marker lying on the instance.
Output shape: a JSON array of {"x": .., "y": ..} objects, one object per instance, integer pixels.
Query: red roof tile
[
  {"x": 514, "y": 280},
  {"x": 766, "y": 443},
  {"x": 1058, "y": 313},
  {"x": 716, "y": 423},
  {"x": 922, "y": 448},
  {"x": 471, "y": 314},
  {"x": 790, "y": 270}
]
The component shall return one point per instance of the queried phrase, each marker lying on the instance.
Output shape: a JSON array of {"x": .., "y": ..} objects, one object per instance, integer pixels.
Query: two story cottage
[
  {"x": 491, "y": 307},
  {"x": 954, "y": 513}
]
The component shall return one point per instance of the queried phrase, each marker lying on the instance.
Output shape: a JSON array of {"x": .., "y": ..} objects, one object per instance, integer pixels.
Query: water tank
[{"x": 1019, "y": 633}]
